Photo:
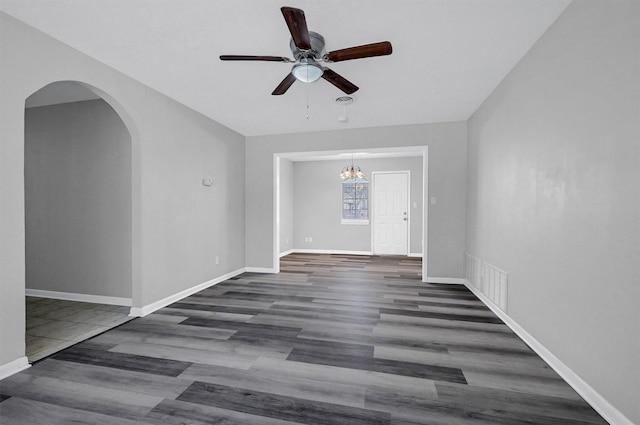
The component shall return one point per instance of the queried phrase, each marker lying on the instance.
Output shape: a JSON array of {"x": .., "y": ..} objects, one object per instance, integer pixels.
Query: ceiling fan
[{"x": 308, "y": 51}]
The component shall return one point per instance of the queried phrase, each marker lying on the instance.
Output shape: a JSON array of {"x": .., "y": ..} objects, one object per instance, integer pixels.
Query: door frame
[
  {"x": 420, "y": 150},
  {"x": 373, "y": 200}
]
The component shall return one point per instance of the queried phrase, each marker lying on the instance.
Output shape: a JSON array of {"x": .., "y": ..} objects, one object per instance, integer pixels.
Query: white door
[{"x": 390, "y": 213}]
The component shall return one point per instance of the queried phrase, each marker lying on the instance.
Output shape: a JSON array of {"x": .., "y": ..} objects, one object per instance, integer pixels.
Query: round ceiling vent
[{"x": 344, "y": 100}]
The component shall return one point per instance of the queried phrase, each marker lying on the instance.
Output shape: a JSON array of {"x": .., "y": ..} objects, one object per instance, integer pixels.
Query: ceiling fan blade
[
  {"x": 254, "y": 58},
  {"x": 339, "y": 81},
  {"x": 358, "y": 52},
  {"x": 297, "y": 27},
  {"x": 284, "y": 85}
]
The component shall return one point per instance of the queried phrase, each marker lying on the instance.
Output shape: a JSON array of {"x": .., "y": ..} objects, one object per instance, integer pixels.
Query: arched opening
[{"x": 78, "y": 217}]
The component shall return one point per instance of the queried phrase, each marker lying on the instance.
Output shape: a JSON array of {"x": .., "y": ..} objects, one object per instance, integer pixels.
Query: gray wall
[
  {"x": 554, "y": 168},
  {"x": 178, "y": 227},
  {"x": 447, "y": 144},
  {"x": 318, "y": 204},
  {"x": 78, "y": 199}
]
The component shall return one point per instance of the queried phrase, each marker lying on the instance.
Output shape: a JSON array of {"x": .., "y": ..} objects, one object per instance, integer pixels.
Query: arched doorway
[{"x": 78, "y": 217}]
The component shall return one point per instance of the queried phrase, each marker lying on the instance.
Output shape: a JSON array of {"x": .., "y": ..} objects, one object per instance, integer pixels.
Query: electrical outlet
[{"x": 217, "y": 260}]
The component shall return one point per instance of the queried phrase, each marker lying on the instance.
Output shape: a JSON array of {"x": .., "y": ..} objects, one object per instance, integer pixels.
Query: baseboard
[
  {"x": 11, "y": 368},
  {"x": 340, "y": 252},
  {"x": 282, "y": 254},
  {"x": 260, "y": 270},
  {"x": 590, "y": 395},
  {"x": 150, "y": 308},
  {"x": 87, "y": 298},
  {"x": 446, "y": 280},
  {"x": 331, "y": 251}
]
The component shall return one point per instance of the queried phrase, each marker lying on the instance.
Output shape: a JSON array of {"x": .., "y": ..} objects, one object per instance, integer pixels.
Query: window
[{"x": 355, "y": 201}]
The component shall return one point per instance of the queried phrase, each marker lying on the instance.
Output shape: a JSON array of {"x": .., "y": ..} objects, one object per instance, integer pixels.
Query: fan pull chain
[{"x": 307, "y": 101}]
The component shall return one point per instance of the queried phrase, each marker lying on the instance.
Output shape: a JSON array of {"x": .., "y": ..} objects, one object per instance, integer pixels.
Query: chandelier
[{"x": 351, "y": 172}]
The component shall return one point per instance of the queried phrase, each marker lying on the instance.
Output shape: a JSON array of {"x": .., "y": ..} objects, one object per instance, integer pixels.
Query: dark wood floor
[{"x": 332, "y": 339}]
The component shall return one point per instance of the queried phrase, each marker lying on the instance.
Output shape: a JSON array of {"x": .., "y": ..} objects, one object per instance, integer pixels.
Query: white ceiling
[{"x": 448, "y": 55}]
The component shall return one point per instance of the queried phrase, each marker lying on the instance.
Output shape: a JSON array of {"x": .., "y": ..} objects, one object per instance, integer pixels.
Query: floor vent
[{"x": 488, "y": 279}]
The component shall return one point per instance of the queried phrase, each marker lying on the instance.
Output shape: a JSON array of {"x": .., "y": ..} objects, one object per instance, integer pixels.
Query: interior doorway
[
  {"x": 390, "y": 218},
  {"x": 281, "y": 183},
  {"x": 78, "y": 214}
]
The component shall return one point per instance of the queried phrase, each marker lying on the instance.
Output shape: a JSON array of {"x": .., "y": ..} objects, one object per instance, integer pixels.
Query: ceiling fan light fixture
[
  {"x": 307, "y": 71},
  {"x": 308, "y": 49}
]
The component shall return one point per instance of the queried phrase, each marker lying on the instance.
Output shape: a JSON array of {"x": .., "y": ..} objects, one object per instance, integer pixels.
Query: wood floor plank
[
  {"x": 19, "y": 411},
  {"x": 493, "y": 364},
  {"x": 143, "y": 326},
  {"x": 542, "y": 385},
  {"x": 362, "y": 378},
  {"x": 126, "y": 361},
  {"x": 185, "y": 355},
  {"x": 461, "y": 336},
  {"x": 119, "y": 402},
  {"x": 436, "y": 373},
  {"x": 281, "y": 407},
  {"x": 438, "y": 412},
  {"x": 444, "y": 316},
  {"x": 430, "y": 322},
  {"x": 108, "y": 377},
  {"x": 175, "y": 412},
  {"x": 525, "y": 404},
  {"x": 279, "y": 384}
]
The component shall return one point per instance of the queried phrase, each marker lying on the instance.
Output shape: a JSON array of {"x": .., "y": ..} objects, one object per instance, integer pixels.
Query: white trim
[
  {"x": 331, "y": 251},
  {"x": 345, "y": 252},
  {"x": 447, "y": 280},
  {"x": 391, "y": 151},
  {"x": 282, "y": 254},
  {"x": 590, "y": 395},
  {"x": 361, "y": 153},
  {"x": 276, "y": 214},
  {"x": 11, "y": 368},
  {"x": 150, "y": 308},
  {"x": 87, "y": 298},
  {"x": 425, "y": 213},
  {"x": 261, "y": 270}
]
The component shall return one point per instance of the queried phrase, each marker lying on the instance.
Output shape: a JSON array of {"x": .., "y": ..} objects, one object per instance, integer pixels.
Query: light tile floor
[{"x": 53, "y": 325}]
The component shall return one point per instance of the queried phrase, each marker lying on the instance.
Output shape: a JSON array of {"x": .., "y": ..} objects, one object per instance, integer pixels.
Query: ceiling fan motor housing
[{"x": 317, "y": 48}]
